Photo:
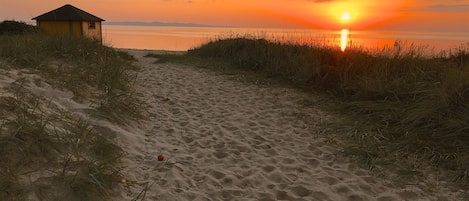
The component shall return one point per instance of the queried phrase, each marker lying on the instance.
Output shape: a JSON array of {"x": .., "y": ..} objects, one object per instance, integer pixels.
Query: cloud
[
  {"x": 442, "y": 8},
  {"x": 188, "y": 1},
  {"x": 322, "y": 1}
]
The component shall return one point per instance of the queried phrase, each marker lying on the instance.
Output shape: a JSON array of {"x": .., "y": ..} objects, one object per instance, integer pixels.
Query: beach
[{"x": 223, "y": 139}]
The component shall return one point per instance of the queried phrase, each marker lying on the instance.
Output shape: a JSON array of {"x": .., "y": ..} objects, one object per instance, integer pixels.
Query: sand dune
[{"x": 228, "y": 140}]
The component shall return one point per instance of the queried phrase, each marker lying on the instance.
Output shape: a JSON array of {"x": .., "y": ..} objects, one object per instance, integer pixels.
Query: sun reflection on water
[{"x": 344, "y": 39}]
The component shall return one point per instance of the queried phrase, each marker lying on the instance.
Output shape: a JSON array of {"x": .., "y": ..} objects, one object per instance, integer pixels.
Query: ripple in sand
[
  {"x": 216, "y": 174},
  {"x": 300, "y": 191}
]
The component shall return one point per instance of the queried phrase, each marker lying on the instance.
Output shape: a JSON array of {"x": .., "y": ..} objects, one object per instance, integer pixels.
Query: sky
[{"x": 401, "y": 15}]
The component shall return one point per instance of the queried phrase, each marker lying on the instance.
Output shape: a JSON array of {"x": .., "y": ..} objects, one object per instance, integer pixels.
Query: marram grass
[
  {"x": 76, "y": 64},
  {"x": 74, "y": 159}
]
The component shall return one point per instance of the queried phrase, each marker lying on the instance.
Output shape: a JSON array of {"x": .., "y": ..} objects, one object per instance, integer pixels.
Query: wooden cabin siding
[
  {"x": 94, "y": 33},
  {"x": 56, "y": 27}
]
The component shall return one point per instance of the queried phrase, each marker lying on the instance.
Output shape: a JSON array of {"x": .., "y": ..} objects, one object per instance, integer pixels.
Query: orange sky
[{"x": 406, "y": 15}]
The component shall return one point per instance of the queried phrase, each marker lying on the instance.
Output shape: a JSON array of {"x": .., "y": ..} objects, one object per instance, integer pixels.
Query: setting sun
[{"x": 345, "y": 16}]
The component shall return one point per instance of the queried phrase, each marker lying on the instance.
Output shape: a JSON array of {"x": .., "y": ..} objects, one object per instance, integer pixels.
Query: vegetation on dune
[
  {"x": 76, "y": 64},
  {"x": 15, "y": 28},
  {"x": 406, "y": 104},
  {"x": 61, "y": 153}
]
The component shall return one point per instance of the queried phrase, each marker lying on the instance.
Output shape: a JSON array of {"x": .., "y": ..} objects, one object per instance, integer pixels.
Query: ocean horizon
[{"x": 183, "y": 37}]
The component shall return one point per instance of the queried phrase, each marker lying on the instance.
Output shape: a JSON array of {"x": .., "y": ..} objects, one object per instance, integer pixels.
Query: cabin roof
[{"x": 67, "y": 13}]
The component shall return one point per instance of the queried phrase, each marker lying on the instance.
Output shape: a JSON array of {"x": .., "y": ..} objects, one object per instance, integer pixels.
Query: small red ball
[{"x": 160, "y": 157}]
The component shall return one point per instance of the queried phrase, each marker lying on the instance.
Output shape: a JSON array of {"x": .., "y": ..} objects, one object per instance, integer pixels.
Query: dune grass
[
  {"x": 76, "y": 64},
  {"x": 48, "y": 153},
  {"x": 402, "y": 104}
]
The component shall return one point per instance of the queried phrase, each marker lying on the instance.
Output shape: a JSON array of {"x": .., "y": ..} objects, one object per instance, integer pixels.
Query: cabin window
[{"x": 92, "y": 25}]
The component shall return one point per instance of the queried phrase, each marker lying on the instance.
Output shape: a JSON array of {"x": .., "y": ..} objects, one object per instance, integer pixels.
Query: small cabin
[{"x": 72, "y": 20}]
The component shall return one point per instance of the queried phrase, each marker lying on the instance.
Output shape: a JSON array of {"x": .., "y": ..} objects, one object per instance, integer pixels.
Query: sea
[{"x": 184, "y": 38}]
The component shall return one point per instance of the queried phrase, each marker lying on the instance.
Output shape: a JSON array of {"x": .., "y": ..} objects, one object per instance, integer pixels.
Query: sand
[
  {"x": 229, "y": 140},
  {"x": 224, "y": 139}
]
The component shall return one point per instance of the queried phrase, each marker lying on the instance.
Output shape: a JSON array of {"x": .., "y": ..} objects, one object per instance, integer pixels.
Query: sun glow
[
  {"x": 345, "y": 16},
  {"x": 363, "y": 14}
]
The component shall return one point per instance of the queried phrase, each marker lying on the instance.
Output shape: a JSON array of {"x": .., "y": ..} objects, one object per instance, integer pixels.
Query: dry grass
[
  {"x": 48, "y": 153},
  {"x": 85, "y": 67}
]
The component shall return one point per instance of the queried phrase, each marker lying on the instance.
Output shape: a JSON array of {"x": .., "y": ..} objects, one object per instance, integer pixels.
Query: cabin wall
[
  {"x": 90, "y": 31},
  {"x": 57, "y": 27}
]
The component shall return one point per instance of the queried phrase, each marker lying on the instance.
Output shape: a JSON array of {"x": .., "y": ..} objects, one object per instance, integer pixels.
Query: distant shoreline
[
  {"x": 155, "y": 51},
  {"x": 177, "y": 24}
]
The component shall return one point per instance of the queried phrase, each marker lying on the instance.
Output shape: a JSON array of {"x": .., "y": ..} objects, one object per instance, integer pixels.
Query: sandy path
[{"x": 227, "y": 140}]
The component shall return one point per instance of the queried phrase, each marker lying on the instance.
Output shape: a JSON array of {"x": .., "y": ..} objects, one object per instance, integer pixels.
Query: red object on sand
[{"x": 160, "y": 157}]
